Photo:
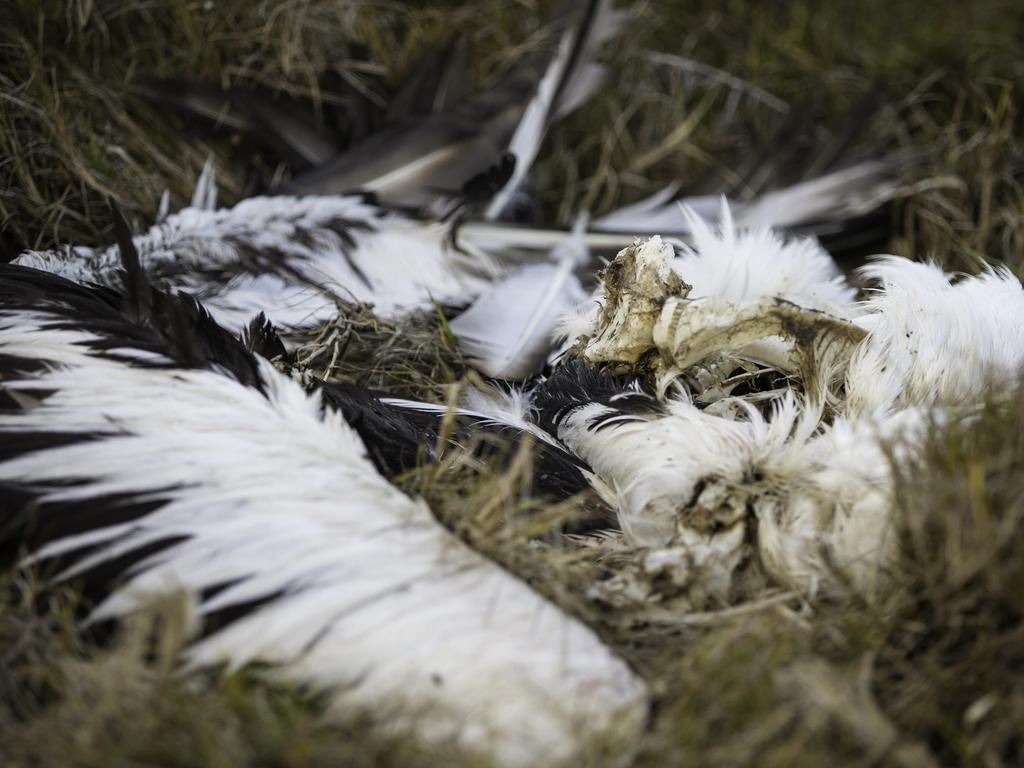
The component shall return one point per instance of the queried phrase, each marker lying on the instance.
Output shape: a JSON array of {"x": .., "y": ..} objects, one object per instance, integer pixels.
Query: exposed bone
[
  {"x": 636, "y": 285},
  {"x": 820, "y": 345}
]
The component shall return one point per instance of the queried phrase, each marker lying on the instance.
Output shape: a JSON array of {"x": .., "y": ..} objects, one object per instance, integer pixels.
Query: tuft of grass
[
  {"x": 74, "y": 130},
  {"x": 416, "y": 356},
  {"x": 490, "y": 503}
]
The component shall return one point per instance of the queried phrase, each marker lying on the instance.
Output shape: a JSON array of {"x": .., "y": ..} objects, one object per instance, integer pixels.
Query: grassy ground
[{"x": 930, "y": 673}]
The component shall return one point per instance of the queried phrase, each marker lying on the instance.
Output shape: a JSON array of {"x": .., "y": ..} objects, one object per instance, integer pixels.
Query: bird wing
[
  {"x": 142, "y": 473},
  {"x": 292, "y": 258}
]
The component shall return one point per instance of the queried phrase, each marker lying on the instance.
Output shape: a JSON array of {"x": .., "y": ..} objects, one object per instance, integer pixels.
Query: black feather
[
  {"x": 575, "y": 384},
  {"x": 138, "y": 293},
  {"x": 214, "y": 621},
  {"x": 260, "y": 338},
  {"x": 399, "y": 438},
  {"x": 29, "y": 523},
  {"x": 99, "y": 581},
  {"x": 488, "y": 183}
]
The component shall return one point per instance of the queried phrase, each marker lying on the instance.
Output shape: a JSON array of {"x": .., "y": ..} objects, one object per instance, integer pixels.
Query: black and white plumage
[
  {"x": 292, "y": 258},
  {"x": 295, "y": 259},
  {"x": 149, "y": 451},
  {"x": 149, "y": 467}
]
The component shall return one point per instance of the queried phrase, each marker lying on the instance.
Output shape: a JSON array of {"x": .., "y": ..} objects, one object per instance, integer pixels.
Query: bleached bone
[{"x": 818, "y": 350}]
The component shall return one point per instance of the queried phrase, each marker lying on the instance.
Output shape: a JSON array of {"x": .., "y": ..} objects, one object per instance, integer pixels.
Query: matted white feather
[
  {"x": 373, "y": 600},
  {"x": 658, "y": 463},
  {"x": 931, "y": 341},
  {"x": 825, "y": 515},
  {"x": 812, "y": 503}
]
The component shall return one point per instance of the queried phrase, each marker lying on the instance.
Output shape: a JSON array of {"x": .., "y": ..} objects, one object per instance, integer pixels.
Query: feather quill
[{"x": 570, "y": 80}]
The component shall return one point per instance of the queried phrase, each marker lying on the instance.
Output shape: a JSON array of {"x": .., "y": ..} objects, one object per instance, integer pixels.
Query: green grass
[{"x": 929, "y": 673}]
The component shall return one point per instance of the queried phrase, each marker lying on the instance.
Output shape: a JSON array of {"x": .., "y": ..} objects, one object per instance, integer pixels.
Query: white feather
[
  {"x": 743, "y": 264},
  {"x": 658, "y": 213},
  {"x": 508, "y": 331},
  {"x": 931, "y": 341},
  {"x": 511, "y": 408},
  {"x": 164, "y": 208},
  {"x": 571, "y": 78},
  {"x": 205, "y": 196},
  {"x": 834, "y": 197}
]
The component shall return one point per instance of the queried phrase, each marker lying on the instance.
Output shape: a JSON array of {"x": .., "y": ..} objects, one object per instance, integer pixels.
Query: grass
[
  {"x": 928, "y": 673},
  {"x": 415, "y": 357},
  {"x": 65, "y": 703}
]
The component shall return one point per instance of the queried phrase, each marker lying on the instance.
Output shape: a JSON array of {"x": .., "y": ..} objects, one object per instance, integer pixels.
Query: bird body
[{"x": 723, "y": 391}]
